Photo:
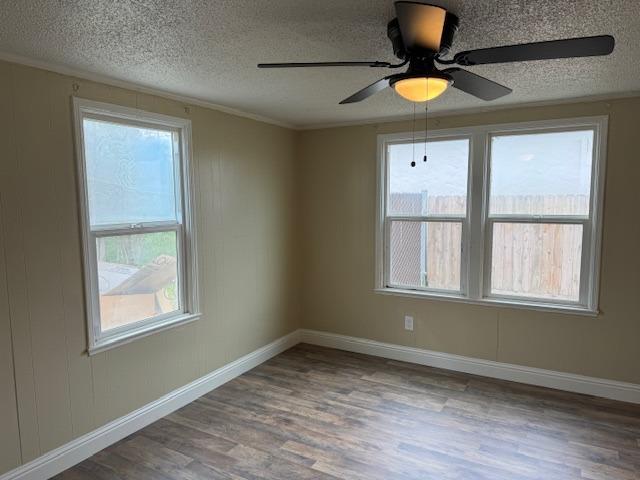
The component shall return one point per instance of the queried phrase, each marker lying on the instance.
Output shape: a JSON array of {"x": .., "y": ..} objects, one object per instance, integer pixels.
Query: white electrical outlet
[{"x": 408, "y": 323}]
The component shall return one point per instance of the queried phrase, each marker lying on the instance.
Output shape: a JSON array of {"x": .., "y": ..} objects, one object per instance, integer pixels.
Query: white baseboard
[
  {"x": 61, "y": 458},
  {"x": 627, "y": 392},
  {"x": 58, "y": 460}
]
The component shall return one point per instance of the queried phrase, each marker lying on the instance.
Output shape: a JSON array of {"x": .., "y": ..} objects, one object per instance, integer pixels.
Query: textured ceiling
[{"x": 209, "y": 49}]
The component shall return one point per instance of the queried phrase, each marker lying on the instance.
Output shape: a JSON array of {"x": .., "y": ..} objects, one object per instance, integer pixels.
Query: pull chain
[
  {"x": 413, "y": 138},
  {"x": 413, "y": 130},
  {"x": 426, "y": 111}
]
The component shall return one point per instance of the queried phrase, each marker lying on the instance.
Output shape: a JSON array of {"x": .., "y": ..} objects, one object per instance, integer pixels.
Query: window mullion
[{"x": 477, "y": 180}]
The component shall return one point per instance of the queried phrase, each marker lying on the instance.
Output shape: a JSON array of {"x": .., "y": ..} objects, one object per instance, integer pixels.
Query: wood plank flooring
[{"x": 318, "y": 413}]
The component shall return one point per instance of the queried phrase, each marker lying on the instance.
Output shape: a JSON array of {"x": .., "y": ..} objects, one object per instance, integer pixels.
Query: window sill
[
  {"x": 490, "y": 302},
  {"x": 141, "y": 332}
]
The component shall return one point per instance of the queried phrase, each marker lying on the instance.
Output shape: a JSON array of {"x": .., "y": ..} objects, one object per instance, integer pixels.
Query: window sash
[
  {"x": 388, "y": 218},
  {"x": 587, "y": 270},
  {"x": 478, "y": 224},
  {"x": 419, "y": 140},
  {"x": 541, "y": 220},
  {"x": 522, "y": 131},
  {"x": 183, "y": 226},
  {"x": 178, "y": 166},
  {"x": 101, "y": 230},
  {"x": 428, "y": 219},
  {"x": 178, "y": 230}
]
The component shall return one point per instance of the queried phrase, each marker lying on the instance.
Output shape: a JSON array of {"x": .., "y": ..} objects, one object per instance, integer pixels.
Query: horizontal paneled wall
[{"x": 245, "y": 193}]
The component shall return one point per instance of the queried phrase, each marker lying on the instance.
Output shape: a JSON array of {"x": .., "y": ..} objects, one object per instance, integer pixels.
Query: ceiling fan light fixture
[
  {"x": 422, "y": 34},
  {"x": 421, "y": 89}
]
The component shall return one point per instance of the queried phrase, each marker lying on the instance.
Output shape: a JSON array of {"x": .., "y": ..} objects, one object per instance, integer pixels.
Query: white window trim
[
  {"x": 185, "y": 231},
  {"x": 476, "y": 246}
]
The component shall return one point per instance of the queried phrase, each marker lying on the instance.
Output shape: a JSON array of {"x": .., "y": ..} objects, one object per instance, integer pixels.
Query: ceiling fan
[{"x": 422, "y": 34}]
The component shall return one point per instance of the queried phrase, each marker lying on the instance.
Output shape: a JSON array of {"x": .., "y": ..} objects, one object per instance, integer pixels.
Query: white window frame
[
  {"x": 462, "y": 219},
  {"x": 184, "y": 227},
  {"x": 477, "y": 224}
]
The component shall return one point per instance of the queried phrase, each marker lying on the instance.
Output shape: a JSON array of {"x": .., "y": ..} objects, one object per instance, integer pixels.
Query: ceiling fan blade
[
  {"x": 421, "y": 26},
  {"x": 324, "y": 64},
  {"x": 567, "y": 48},
  {"x": 476, "y": 85},
  {"x": 366, "y": 92}
]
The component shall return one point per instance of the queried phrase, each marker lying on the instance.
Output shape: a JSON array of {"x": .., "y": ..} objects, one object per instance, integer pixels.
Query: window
[
  {"x": 497, "y": 214},
  {"x": 427, "y": 214},
  {"x": 137, "y": 216}
]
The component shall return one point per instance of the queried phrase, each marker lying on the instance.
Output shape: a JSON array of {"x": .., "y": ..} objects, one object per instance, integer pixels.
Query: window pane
[
  {"x": 426, "y": 254},
  {"x": 437, "y": 187},
  {"x": 137, "y": 277},
  {"x": 130, "y": 173},
  {"x": 536, "y": 260},
  {"x": 541, "y": 174}
]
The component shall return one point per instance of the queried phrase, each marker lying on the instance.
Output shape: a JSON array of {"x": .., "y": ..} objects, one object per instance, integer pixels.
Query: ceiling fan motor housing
[
  {"x": 421, "y": 30},
  {"x": 450, "y": 28}
]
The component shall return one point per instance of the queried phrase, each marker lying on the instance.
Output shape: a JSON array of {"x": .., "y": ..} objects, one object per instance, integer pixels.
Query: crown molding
[
  {"x": 95, "y": 77},
  {"x": 114, "y": 82}
]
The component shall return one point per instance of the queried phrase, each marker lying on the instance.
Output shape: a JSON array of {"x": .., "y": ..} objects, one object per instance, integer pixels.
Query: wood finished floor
[{"x": 317, "y": 413}]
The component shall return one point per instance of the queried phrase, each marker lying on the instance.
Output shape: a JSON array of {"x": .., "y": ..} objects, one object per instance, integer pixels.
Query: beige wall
[
  {"x": 261, "y": 191},
  {"x": 245, "y": 214},
  {"x": 9, "y": 436},
  {"x": 338, "y": 185}
]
